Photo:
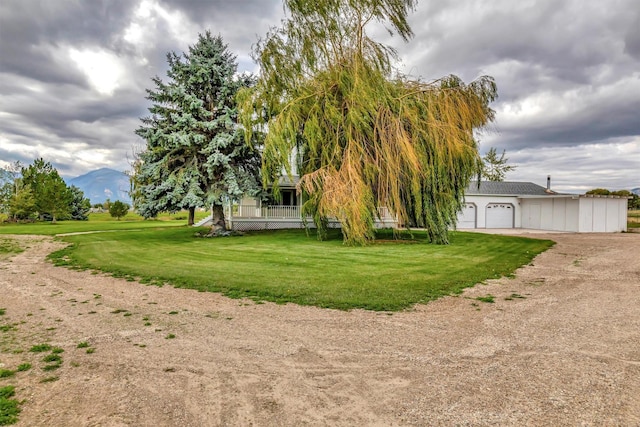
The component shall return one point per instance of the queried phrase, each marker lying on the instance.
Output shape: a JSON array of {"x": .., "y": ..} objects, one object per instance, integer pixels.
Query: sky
[{"x": 73, "y": 76}]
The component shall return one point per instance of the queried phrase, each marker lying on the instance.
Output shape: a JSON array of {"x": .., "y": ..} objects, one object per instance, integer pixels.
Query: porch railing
[
  {"x": 276, "y": 211},
  {"x": 279, "y": 211}
]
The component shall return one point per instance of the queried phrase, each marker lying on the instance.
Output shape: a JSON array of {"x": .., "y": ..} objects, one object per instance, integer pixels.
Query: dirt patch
[{"x": 560, "y": 345}]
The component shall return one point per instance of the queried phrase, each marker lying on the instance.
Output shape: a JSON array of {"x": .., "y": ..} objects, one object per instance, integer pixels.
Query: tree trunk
[
  {"x": 192, "y": 216},
  {"x": 218, "y": 225}
]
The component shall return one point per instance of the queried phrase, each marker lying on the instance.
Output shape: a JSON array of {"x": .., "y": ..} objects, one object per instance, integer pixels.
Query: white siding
[
  {"x": 531, "y": 213},
  {"x": 611, "y": 222},
  {"x": 586, "y": 215},
  {"x": 599, "y": 215},
  {"x": 622, "y": 218},
  {"x": 572, "y": 215},
  {"x": 546, "y": 214},
  {"x": 559, "y": 214}
]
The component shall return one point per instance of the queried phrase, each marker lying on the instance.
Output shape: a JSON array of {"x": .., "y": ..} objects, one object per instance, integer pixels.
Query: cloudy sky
[{"x": 73, "y": 75}]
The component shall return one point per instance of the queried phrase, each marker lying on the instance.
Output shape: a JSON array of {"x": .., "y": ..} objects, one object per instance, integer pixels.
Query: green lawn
[
  {"x": 633, "y": 219},
  {"x": 98, "y": 222},
  {"x": 289, "y": 266}
]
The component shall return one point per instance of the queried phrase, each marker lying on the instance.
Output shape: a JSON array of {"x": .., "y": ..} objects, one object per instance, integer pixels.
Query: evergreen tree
[
  {"x": 80, "y": 206},
  {"x": 195, "y": 154},
  {"x": 366, "y": 138},
  {"x": 34, "y": 177},
  {"x": 495, "y": 168},
  {"x": 118, "y": 209},
  {"x": 52, "y": 196}
]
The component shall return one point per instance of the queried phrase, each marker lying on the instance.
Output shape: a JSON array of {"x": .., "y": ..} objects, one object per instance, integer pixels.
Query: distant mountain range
[
  {"x": 102, "y": 184},
  {"x": 636, "y": 191}
]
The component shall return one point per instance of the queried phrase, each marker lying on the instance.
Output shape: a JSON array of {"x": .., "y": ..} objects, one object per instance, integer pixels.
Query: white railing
[
  {"x": 280, "y": 211},
  {"x": 276, "y": 211}
]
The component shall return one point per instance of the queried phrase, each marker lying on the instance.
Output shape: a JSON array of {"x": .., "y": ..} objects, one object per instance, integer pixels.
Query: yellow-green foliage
[{"x": 364, "y": 137}]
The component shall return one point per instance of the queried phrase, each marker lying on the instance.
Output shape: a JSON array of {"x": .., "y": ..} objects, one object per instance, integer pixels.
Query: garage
[
  {"x": 500, "y": 215},
  {"x": 498, "y": 204},
  {"x": 467, "y": 217}
]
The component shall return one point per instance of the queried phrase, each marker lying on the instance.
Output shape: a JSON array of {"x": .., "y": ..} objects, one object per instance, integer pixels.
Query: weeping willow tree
[{"x": 365, "y": 137}]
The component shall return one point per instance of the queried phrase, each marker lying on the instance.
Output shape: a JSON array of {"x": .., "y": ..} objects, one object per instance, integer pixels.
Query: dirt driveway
[{"x": 560, "y": 346}]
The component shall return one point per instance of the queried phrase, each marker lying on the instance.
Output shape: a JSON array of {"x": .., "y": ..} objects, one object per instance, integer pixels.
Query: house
[
  {"x": 487, "y": 205},
  {"x": 255, "y": 214}
]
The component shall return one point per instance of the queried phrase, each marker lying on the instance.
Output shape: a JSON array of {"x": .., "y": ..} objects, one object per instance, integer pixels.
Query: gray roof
[
  {"x": 508, "y": 188},
  {"x": 288, "y": 182}
]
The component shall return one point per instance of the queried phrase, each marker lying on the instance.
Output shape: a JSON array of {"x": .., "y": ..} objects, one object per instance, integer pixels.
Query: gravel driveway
[{"x": 559, "y": 346}]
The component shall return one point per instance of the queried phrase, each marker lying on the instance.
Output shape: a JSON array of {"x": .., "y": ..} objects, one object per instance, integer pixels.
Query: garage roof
[{"x": 508, "y": 188}]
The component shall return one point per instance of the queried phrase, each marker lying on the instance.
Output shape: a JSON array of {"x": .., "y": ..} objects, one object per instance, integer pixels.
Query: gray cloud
[{"x": 567, "y": 75}]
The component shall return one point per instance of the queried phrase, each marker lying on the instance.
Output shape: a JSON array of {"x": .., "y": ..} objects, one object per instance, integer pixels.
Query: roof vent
[{"x": 549, "y": 190}]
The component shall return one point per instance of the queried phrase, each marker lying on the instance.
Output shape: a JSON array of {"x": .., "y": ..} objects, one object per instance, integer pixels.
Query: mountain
[
  {"x": 102, "y": 184},
  {"x": 636, "y": 191}
]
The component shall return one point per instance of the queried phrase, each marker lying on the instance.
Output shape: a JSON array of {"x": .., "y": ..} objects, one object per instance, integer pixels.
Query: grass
[
  {"x": 23, "y": 367},
  {"x": 6, "y": 373},
  {"x": 487, "y": 298},
  {"x": 40, "y": 348},
  {"x": 9, "y": 247},
  {"x": 52, "y": 358},
  {"x": 7, "y": 328},
  {"x": 633, "y": 219},
  {"x": 62, "y": 227},
  {"x": 9, "y": 408},
  {"x": 96, "y": 222},
  {"x": 289, "y": 266}
]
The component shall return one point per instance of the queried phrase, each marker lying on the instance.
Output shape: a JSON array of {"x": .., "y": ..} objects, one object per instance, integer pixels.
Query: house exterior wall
[
  {"x": 572, "y": 215},
  {"x": 576, "y": 214},
  {"x": 481, "y": 203},
  {"x": 557, "y": 214},
  {"x": 598, "y": 215}
]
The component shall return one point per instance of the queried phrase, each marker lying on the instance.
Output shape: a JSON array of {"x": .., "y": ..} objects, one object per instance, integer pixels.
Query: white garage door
[
  {"x": 499, "y": 215},
  {"x": 467, "y": 218}
]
